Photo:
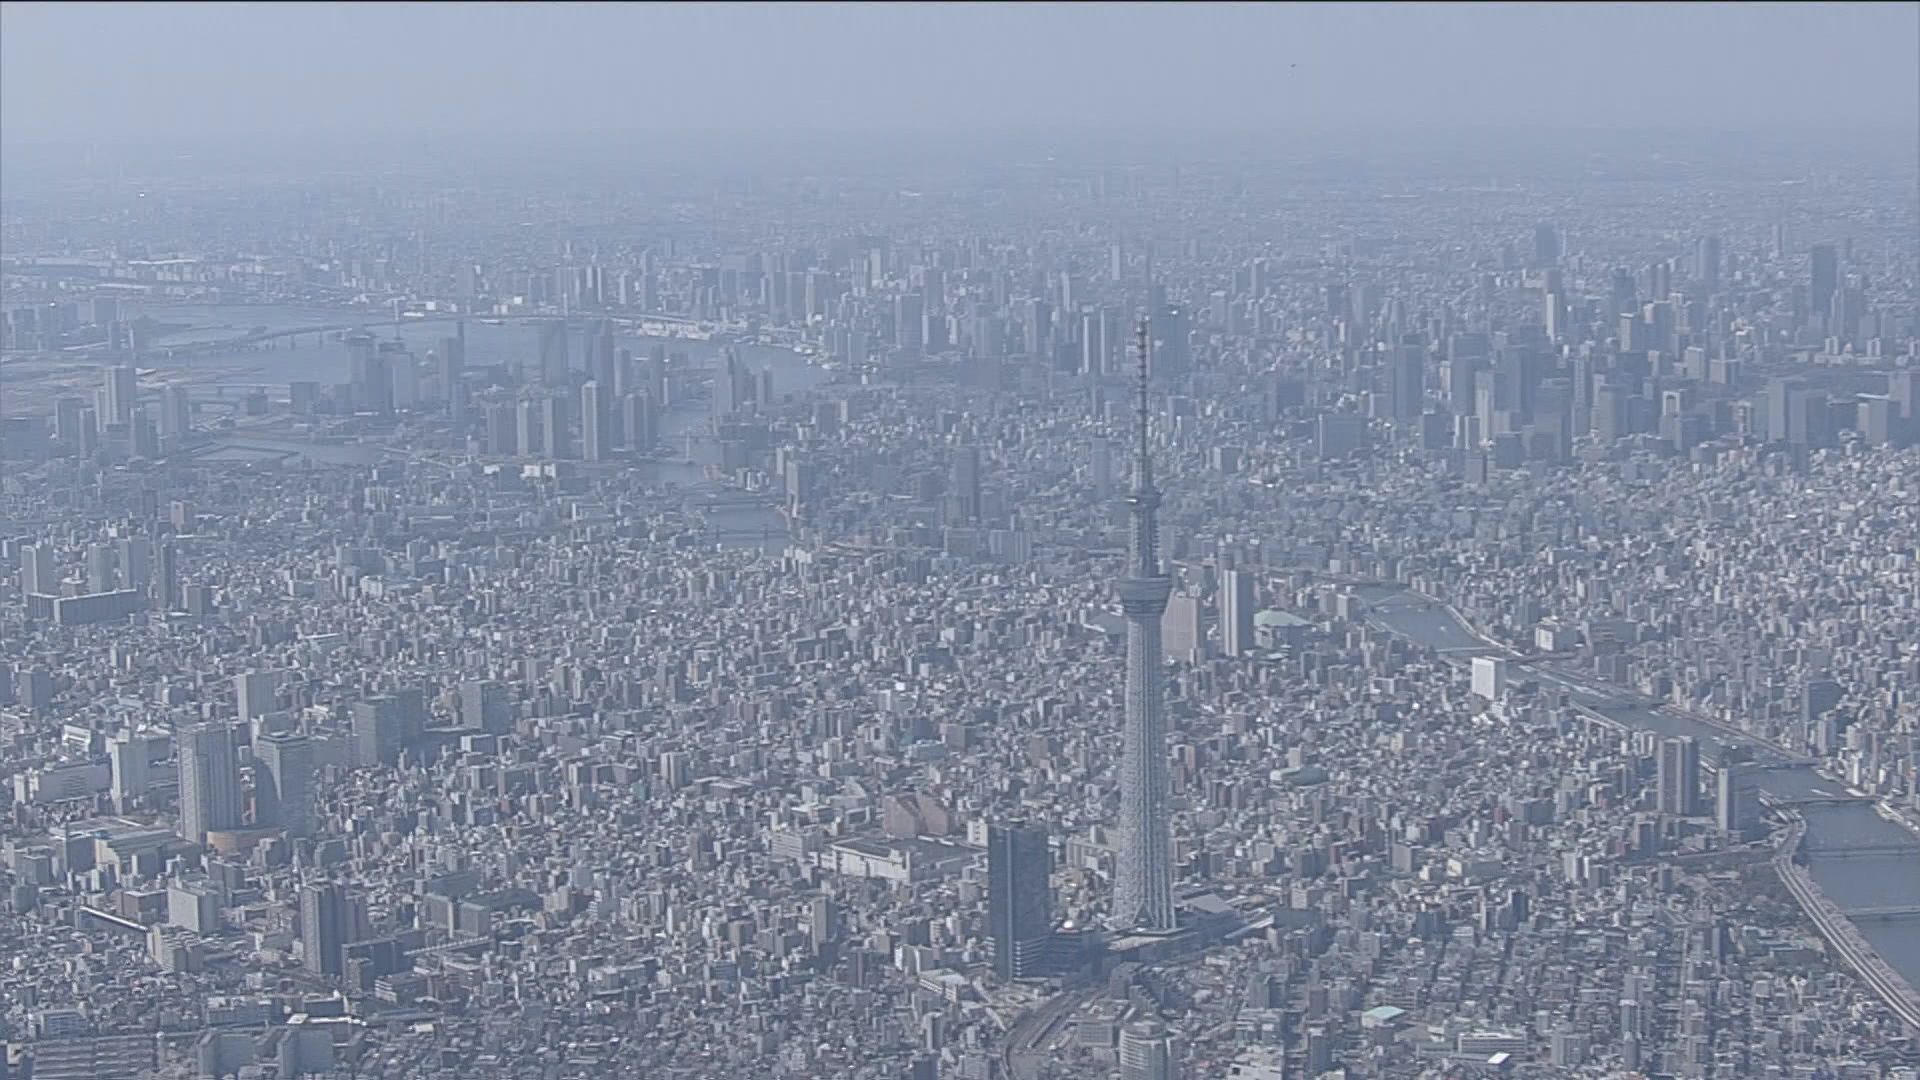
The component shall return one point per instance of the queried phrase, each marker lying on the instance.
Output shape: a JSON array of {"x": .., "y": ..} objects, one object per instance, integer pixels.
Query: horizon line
[{"x": 280, "y": 136}]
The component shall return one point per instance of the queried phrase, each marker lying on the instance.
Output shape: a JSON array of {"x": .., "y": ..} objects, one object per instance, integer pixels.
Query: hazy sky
[{"x": 162, "y": 72}]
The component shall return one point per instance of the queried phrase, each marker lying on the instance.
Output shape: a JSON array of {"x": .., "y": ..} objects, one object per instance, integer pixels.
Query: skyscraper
[
  {"x": 1680, "y": 776},
  {"x": 1706, "y": 263},
  {"x": 1236, "y": 612},
  {"x": 965, "y": 482},
  {"x": 625, "y": 374},
  {"x": 1406, "y": 386},
  {"x": 502, "y": 432},
  {"x": 485, "y": 706},
  {"x": 122, "y": 389},
  {"x": 553, "y": 353},
  {"x": 908, "y": 321},
  {"x": 384, "y": 726},
  {"x": 209, "y": 781},
  {"x": 1733, "y": 803},
  {"x": 143, "y": 438},
  {"x": 1825, "y": 279},
  {"x": 402, "y": 374},
  {"x": 554, "y": 422},
  {"x": 391, "y": 382},
  {"x": 131, "y": 759},
  {"x": 176, "y": 413},
  {"x": 283, "y": 782},
  {"x": 1096, "y": 334},
  {"x": 136, "y": 562},
  {"x": 369, "y": 373},
  {"x": 605, "y": 356},
  {"x": 1019, "y": 899},
  {"x": 593, "y": 422},
  {"x": 639, "y": 423},
  {"x": 166, "y": 577},
  {"x": 653, "y": 378},
  {"x": 324, "y": 925},
  {"x": 39, "y": 572},
  {"x": 527, "y": 439},
  {"x": 727, "y": 385},
  {"x": 1144, "y": 891}
]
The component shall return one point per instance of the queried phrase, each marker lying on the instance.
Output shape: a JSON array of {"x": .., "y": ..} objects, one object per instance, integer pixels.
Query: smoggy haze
[{"x": 164, "y": 72}]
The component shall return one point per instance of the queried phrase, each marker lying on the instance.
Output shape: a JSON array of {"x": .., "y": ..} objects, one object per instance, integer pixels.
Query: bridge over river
[{"x": 265, "y": 336}]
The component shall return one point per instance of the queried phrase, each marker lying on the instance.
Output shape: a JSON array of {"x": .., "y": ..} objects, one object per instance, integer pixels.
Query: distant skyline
[{"x": 157, "y": 74}]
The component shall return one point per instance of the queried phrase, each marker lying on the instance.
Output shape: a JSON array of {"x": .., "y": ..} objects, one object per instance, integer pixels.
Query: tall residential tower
[{"x": 1143, "y": 897}]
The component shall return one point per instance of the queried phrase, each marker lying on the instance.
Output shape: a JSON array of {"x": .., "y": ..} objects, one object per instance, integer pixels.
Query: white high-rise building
[
  {"x": 1236, "y": 612},
  {"x": 1146, "y": 1052},
  {"x": 593, "y": 426},
  {"x": 132, "y": 755},
  {"x": 1489, "y": 677}
]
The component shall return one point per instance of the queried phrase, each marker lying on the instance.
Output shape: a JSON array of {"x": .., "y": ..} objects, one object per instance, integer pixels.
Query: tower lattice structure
[{"x": 1143, "y": 899}]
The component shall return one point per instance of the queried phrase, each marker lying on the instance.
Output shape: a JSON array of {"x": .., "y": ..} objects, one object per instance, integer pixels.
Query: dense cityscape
[{"x": 1042, "y": 613}]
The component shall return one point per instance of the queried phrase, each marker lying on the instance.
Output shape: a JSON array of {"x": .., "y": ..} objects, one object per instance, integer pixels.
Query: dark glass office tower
[
  {"x": 325, "y": 923},
  {"x": 283, "y": 782},
  {"x": 1019, "y": 899}
]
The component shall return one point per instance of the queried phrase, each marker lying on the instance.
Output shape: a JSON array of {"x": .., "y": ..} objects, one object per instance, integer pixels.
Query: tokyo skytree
[{"x": 1143, "y": 899}]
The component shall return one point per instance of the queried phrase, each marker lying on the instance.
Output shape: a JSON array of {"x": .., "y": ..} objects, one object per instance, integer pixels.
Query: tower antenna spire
[{"x": 1143, "y": 464}]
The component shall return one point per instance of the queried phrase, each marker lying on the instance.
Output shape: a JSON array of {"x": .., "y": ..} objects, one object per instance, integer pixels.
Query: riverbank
[
  {"x": 1840, "y": 931},
  {"x": 1868, "y": 849}
]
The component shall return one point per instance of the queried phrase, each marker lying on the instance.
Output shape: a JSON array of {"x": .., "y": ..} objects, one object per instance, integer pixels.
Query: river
[
  {"x": 1888, "y": 878},
  {"x": 320, "y": 359}
]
